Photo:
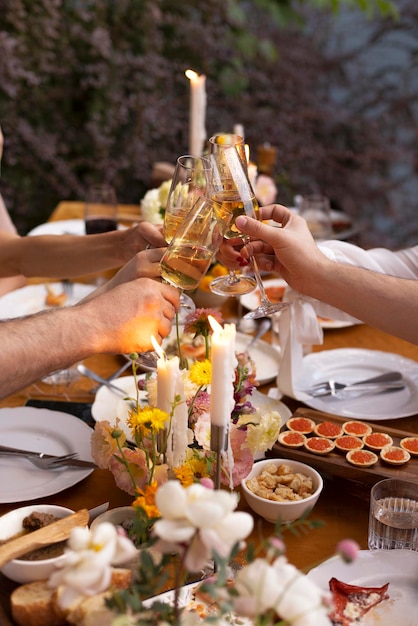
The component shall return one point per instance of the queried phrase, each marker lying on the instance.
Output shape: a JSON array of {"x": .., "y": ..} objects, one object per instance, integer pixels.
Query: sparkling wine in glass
[
  {"x": 101, "y": 210},
  {"x": 195, "y": 244},
  {"x": 237, "y": 198},
  {"x": 232, "y": 188},
  {"x": 190, "y": 181}
]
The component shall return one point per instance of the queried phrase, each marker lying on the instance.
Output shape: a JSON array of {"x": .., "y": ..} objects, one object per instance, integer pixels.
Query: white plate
[
  {"x": 43, "y": 430},
  {"x": 108, "y": 406},
  {"x": 251, "y": 301},
  {"x": 347, "y": 365},
  {"x": 265, "y": 357},
  {"x": 31, "y": 299},
  {"x": 399, "y": 568},
  {"x": 60, "y": 227}
]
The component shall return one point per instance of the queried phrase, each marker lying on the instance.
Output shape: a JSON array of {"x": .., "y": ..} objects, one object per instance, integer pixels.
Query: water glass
[
  {"x": 315, "y": 209},
  {"x": 195, "y": 244},
  {"x": 393, "y": 518}
]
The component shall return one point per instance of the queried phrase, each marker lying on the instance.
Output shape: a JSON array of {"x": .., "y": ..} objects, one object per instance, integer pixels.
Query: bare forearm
[
  {"x": 61, "y": 257},
  {"x": 386, "y": 302},
  {"x": 37, "y": 345}
]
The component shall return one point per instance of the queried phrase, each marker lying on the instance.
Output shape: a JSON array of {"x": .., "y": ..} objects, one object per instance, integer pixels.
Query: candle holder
[{"x": 218, "y": 444}]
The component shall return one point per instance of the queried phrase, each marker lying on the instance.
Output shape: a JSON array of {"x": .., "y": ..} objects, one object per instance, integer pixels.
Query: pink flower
[
  {"x": 348, "y": 550},
  {"x": 265, "y": 190},
  {"x": 138, "y": 466},
  {"x": 103, "y": 445}
]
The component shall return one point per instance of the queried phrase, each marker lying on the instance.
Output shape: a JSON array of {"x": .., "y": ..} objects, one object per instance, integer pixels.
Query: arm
[
  {"x": 68, "y": 256},
  {"x": 118, "y": 322},
  {"x": 387, "y": 302}
]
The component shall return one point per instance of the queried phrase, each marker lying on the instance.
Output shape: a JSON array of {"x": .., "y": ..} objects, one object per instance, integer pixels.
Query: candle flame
[
  {"x": 158, "y": 349},
  {"x": 191, "y": 74},
  {"x": 215, "y": 325}
]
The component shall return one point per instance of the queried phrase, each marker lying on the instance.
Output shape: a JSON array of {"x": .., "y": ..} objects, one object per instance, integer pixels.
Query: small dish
[
  {"x": 25, "y": 571},
  {"x": 289, "y": 511}
]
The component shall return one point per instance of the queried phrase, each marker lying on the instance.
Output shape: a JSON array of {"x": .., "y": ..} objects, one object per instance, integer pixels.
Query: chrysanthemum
[
  {"x": 201, "y": 373},
  {"x": 146, "y": 500},
  {"x": 148, "y": 417},
  {"x": 197, "y": 323}
]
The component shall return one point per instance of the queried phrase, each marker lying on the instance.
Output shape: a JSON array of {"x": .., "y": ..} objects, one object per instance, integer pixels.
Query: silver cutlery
[
  {"x": 383, "y": 382},
  {"x": 113, "y": 376},
  {"x": 47, "y": 461},
  {"x": 85, "y": 371}
]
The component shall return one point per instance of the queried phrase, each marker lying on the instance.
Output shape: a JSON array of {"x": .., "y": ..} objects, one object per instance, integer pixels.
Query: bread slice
[
  {"x": 32, "y": 605},
  {"x": 36, "y": 604}
]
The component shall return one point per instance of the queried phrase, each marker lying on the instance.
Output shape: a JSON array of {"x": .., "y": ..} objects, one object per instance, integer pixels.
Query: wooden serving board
[{"x": 335, "y": 464}]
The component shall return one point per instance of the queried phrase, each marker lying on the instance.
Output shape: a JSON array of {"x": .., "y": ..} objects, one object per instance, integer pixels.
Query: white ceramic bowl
[
  {"x": 285, "y": 511},
  {"x": 115, "y": 516},
  {"x": 11, "y": 524}
]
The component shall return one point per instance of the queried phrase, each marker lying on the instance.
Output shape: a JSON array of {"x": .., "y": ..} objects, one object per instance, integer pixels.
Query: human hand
[
  {"x": 140, "y": 237},
  {"x": 287, "y": 249},
  {"x": 125, "y": 317}
]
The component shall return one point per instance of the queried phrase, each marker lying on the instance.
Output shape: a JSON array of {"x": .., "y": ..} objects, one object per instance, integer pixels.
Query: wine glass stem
[
  {"x": 233, "y": 278},
  {"x": 263, "y": 296}
]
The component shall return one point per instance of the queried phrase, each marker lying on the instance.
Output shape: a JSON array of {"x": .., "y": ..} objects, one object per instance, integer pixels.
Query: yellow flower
[
  {"x": 201, "y": 372},
  {"x": 193, "y": 470},
  {"x": 218, "y": 270},
  {"x": 146, "y": 500},
  {"x": 148, "y": 417}
]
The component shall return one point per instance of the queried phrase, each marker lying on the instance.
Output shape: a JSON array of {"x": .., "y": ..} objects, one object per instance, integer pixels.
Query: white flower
[
  {"x": 154, "y": 203},
  {"x": 281, "y": 588},
  {"x": 86, "y": 569},
  {"x": 262, "y": 435},
  {"x": 199, "y": 521}
]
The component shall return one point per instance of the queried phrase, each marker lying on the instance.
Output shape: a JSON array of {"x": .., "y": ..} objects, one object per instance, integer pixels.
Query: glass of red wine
[{"x": 101, "y": 210}]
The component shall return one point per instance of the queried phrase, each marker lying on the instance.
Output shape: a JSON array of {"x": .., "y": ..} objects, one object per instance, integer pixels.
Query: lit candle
[
  {"x": 224, "y": 362},
  {"x": 197, "y": 128},
  {"x": 170, "y": 387}
]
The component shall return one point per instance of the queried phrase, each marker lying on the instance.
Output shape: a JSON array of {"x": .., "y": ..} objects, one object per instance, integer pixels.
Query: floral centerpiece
[
  {"x": 196, "y": 523},
  {"x": 138, "y": 464}
]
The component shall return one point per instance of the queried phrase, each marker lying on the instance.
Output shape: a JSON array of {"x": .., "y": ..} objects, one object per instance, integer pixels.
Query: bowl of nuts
[{"x": 281, "y": 489}]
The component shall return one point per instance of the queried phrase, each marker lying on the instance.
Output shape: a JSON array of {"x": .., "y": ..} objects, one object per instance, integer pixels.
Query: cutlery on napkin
[
  {"x": 383, "y": 382},
  {"x": 53, "y": 533}
]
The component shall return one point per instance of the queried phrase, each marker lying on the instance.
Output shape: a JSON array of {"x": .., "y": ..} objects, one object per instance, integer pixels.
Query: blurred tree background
[{"x": 94, "y": 90}]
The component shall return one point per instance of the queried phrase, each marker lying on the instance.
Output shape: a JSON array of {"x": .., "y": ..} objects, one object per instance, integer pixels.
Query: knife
[{"x": 7, "y": 451}]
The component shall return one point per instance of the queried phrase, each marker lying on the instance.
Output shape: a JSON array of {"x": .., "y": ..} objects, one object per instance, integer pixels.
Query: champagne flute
[
  {"x": 190, "y": 181},
  {"x": 232, "y": 188},
  {"x": 225, "y": 190},
  {"x": 195, "y": 244}
]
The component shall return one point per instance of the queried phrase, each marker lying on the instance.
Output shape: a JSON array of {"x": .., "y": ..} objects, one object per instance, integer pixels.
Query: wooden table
[{"x": 342, "y": 507}]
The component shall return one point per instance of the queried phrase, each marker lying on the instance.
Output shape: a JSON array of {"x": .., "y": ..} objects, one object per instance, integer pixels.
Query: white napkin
[{"x": 298, "y": 326}]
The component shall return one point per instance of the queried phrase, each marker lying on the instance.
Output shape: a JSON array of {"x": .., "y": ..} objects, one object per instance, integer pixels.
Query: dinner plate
[
  {"x": 252, "y": 300},
  {"x": 399, "y": 568},
  {"x": 31, "y": 299},
  {"x": 348, "y": 365},
  {"x": 40, "y": 430},
  {"x": 107, "y": 405}
]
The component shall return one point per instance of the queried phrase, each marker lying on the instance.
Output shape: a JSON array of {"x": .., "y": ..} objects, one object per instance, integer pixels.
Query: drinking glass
[
  {"x": 190, "y": 181},
  {"x": 232, "y": 189},
  {"x": 101, "y": 209},
  {"x": 195, "y": 244},
  {"x": 393, "y": 518},
  {"x": 315, "y": 209}
]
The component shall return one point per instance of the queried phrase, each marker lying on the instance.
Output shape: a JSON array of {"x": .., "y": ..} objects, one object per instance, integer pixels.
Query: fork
[
  {"x": 388, "y": 380},
  {"x": 40, "y": 459}
]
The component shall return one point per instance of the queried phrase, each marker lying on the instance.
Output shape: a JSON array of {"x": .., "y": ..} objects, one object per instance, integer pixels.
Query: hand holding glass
[{"x": 195, "y": 244}]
